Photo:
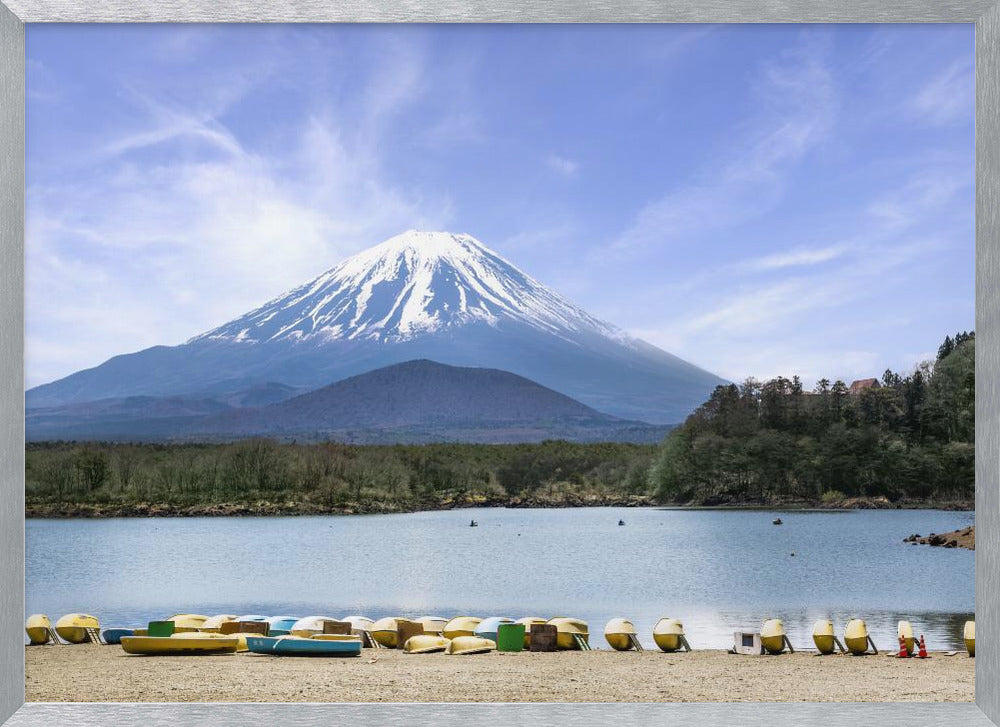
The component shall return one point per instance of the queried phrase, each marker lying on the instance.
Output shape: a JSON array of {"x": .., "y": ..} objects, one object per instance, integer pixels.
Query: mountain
[
  {"x": 419, "y": 295},
  {"x": 423, "y": 400}
]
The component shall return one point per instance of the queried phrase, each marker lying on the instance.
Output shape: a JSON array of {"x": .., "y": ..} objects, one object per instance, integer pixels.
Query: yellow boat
[
  {"x": 568, "y": 629},
  {"x": 904, "y": 630},
  {"x": 856, "y": 637},
  {"x": 433, "y": 624},
  {"x": 359, "y": 623},
  {"x": 385, "y": 633},
  {"x": 772, "y": 636},
  {"x": 668, "y": 633},
  {"x": 37, "y": 627},
  {"x": 187, "y": 622},
  {"x": 469, "y": 645},
  {"x": 620, "y": 633},
  {"x": 426, "y": 644},
  {"x": 824, "y": 637},
  {"x": 461, "y": 626},
  {"x": 213, "y": 623},
  {"x": 73, "y": 627},
  {"x": 969, "y": 634},
  {"x": 309, "y": 626},
  {"x": 528, "y": 621},
  {"x": 180, "y": 644}
]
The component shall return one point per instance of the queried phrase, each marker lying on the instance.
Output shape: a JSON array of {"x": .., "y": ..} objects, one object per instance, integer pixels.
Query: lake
[{"x": 716, "y": 570}]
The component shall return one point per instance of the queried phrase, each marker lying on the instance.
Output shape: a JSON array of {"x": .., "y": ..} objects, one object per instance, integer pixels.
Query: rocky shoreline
[
  {"x": 964, "y": 538},
  {"x": 264, "y": 508}
]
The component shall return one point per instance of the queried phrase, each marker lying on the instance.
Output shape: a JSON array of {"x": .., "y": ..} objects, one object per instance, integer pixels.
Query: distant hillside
[
  {"x": 423, "y": 401},
  {"x": 412, "y": 402}
]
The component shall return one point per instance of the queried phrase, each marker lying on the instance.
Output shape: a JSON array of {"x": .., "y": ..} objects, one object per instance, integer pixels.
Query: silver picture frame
[{"x": 14, "y": 14}]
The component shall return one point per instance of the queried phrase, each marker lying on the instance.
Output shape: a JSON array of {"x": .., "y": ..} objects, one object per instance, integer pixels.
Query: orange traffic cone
[
  {"x": 922, "y": 653},
  {"x": 903, "y": 653}
]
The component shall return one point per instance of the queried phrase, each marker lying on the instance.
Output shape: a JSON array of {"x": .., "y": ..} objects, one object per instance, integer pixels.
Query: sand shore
[{"x": 89, "y": 673}]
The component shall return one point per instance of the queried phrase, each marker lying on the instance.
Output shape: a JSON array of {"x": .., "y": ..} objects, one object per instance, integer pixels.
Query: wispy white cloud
[
  {"x": 949, "y": 96},
  {"x": 800, "y": 102},
  {"x": 562, "y": 165}
]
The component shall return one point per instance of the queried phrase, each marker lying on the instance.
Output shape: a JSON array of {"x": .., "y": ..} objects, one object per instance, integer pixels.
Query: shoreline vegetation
[{"x": 902, "y": 442}]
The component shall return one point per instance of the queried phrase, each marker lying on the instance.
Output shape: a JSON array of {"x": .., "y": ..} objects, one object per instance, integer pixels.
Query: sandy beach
[{"x": 89, "y": 673}]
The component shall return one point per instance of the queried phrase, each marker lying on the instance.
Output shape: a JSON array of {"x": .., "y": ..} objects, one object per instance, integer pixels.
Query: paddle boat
[
  {"x": 570, "y": 631},
  {"x": 320, "y": 645},
  {"x": 528, "y": 621},
  {"x": 620, "y": 634},
  {"x": 251, "y": 617},
  {"x": 384, "y": 631},
  {"x": 213, "y": 623},
  {"x": 433, "y": 624},
  {"x": 487, "y": 628},
  {"x": 309, "y": 626},
  {"x": 668, "y": 633},
  {"x": 773, "y": 637},
  {"x": 73, "y": 627},
  {"x": 969, "y": 634},
  {"x": 824, "y": 637},
  {"x": 183, "y": 644},
  {"x": 187, "y": 622},
  {"x": 469, "y": 645},
  {"x": 904, "y": 631},
  {"x": 38, "y": 627},
  {"x": 281, "y": 625},
  {"x": 461, "y": 626},
  {"x": 425, "y": 644},
  {"x": 113, "y": 635},
  {"x": 856, "y": 637},
  {"x": 359, "y": 623}
]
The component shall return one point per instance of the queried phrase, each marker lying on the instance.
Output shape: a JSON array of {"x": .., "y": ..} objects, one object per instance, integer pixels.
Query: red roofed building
[{"x": 862, "y": 384}]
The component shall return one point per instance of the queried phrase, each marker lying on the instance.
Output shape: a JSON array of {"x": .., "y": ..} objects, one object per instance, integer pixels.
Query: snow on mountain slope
[{"x": 411, "y": 284}]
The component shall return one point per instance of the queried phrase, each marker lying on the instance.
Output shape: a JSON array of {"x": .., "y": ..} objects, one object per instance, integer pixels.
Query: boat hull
[
  {"x": 425, "y": 644},
  {"x": 619, "y": 633},
  {"x": 823, "y": 637},
  {"x": 469, "y": 645},
  {"x": 969, "y": 636},
  {"x": 668, "y": 633},
  {"x": 487, "y": 628},
  {"x": 37, "y": 627},
  {"x": 187, "y": 644},
  {"x": 567, "y": 630},
  {"x": 461, "y": 626},
  {"x": 73, "y": 627},
  {"x": 114, "y": 636},
  {"x": 856, "y": 637},
  {"x": 344, "y": 646},
  {"x": 772, "y": 636}
]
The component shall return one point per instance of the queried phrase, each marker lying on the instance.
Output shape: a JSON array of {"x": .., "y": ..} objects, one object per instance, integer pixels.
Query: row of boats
[{"x": 325, "y": 635}]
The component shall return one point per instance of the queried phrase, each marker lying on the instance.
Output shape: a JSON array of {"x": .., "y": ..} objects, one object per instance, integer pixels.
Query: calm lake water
[{"x": 716, "y": 570}]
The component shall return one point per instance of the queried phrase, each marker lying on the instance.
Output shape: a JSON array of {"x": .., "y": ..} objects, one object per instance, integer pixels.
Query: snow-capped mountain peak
[{"x": 412, "y": 284}]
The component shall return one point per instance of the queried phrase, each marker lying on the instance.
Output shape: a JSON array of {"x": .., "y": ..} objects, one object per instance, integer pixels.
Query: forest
[
  {"x": 906, "y": 438},
  {"x": 901, "y": 438}
]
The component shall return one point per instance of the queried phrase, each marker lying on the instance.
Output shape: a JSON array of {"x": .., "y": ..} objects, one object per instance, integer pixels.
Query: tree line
[{"x": 903, "y": 437}]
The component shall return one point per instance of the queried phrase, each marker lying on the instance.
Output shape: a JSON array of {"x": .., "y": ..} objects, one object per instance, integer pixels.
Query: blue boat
[
  {"x": 281, "y": 625},
  {"x": 298, "y": 646},
  {"x": 487, "y": 628},
  {"x": 114, "y": 635}
]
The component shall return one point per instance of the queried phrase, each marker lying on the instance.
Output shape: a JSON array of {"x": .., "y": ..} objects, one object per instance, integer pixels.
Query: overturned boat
[
  {"x": 904, "y": 631},
  {"x": 572, "y": 633},
  {"x": 824, "y": 637},
  {"x": 183, "y": 644},
  {"x": 773, "y": 637},
  {"x": 621, "y": 635},
  {"x": 969, "y": 635},
  {"x": 39, "y": 629},
  {"x": 214, "y": 623},
  {"x": 487, "y": 628},
  {"x": 461, "y": 626},
  {"x": 309, "y": 626},
  {"x": 528, "y": 622},
  {"x": 76, "y": 627},
  {"x": 856, "y": 638},
  {"x": 426, "y": 644},
  {"x": 668, "y": 633},
  {"x": 470, "y": 645}
]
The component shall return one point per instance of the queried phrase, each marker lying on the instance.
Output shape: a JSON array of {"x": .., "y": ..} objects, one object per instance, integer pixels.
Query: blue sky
[{"x": 759, "y": 200}]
